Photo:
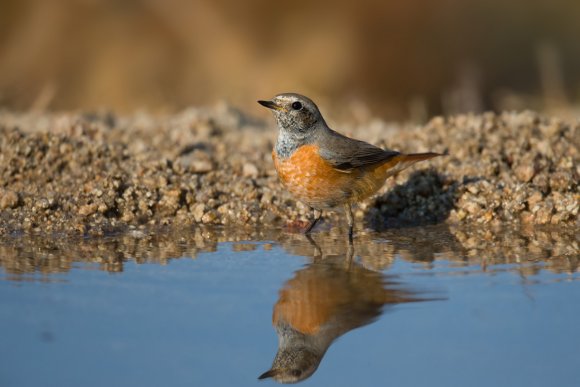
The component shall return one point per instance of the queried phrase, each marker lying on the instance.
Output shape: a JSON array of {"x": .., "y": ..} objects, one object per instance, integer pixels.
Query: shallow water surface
[{"x": 406, "y": 307}]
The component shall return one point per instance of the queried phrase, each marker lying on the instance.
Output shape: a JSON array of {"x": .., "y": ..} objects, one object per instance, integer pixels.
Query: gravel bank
[
  {"x": 528, "y": 249},
  {"x": 91, "y": 174}
]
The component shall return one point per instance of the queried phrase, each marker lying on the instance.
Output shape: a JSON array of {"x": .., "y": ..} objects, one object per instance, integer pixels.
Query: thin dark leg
[
  {"x": 350, "y": 254},
  {"x": 350, "y": 219},
  {"x": 318, "y": 254},
  {"x": 317, "y": 217}
]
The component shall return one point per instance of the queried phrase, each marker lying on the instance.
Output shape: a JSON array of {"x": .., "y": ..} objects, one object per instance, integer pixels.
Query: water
[{"x": 418, "y": 306}]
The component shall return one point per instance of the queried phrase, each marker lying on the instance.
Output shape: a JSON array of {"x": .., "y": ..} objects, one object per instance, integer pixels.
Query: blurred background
[{"x": 396, "y": 59}]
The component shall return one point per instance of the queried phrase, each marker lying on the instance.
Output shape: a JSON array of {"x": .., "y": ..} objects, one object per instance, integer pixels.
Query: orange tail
[{"x": 403, "y": 161}]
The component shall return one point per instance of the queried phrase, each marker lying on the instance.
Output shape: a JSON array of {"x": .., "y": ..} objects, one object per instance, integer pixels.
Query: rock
[
  {"x": 196, "y": 162},
  {"x": 560, "y": 181},
  {"x": 472, "y": 207},
  {"x": 209, "y": 217},
  {"x": 250, "y": 170},
  {"x": 541, "y": 181},
  {"x": 87, "y": 209},
  {"x": 8, "y": 199},
  {"x": 524, "y": 173},
  {"x": 544, "y": 213},
  {"x": 534, "y": 199},
  {"x": 201, "y": 166},
  {"x": 169, "y": 202},
  {"x": 198, "y": 211}
]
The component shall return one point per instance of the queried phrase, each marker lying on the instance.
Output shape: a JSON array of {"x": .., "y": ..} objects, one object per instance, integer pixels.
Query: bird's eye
[{"x": 296, "y": 105}]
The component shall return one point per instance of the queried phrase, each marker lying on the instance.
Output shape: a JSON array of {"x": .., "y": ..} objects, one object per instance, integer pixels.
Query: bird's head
[
  {"x": 293, "y": 365},
  {"x": 294, "y": 113}
]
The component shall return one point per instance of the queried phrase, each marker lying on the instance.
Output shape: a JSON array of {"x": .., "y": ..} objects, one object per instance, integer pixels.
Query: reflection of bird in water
[{"x": 323, "y": 301}]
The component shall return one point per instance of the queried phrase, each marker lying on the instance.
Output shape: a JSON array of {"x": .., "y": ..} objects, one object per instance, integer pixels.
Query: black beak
[
  {"x": 270, "y": 105},
  {"x": 268, "y": 374}
]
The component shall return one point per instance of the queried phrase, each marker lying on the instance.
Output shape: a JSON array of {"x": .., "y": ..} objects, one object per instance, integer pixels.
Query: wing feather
[{"x": 345, "y": 153}]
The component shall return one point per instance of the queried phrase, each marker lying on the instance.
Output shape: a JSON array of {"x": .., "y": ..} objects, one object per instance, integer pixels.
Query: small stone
[
  {"x": 557, "y": 218},
  {"x": 209, "y": 217},
  {"x": 573, "y": 205},
  {"x": 526, "y": 217},
  {"x": 472, "y": 207},
  {"x": 534, "y": 199},
  {"x": 560, "y": 181},
  {"x": 472, "y": 188},
  {"x": 544, "y": 214},
  {"x": 541, "y": 181},
  {"x": 524, "y": 172},
  {"x": 201, "y": 166},
  {"x": 127, "y": 216},
  {"x": 223, "y": 209},
  {"x": 88, "y": 209},
  {"x": 8, "y": 199},
  {"x": 137, "y": 234},
  {"x": 267, "y": 197},
  {"x": 102, "y": 207},
  {"x": 43, "y": 203},
  {"x": 250, "y": 170},
  {"x": 488, "y": 216},
  {"x": 198, "y": 211},
  {"x": 169, "y": 202}
]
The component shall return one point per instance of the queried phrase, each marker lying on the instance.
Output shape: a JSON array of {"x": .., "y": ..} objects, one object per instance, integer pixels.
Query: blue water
[{"x": 208, "y": 320}]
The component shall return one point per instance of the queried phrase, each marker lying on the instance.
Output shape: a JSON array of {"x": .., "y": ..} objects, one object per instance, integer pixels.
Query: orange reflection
[{"x": 328, "y": 298}]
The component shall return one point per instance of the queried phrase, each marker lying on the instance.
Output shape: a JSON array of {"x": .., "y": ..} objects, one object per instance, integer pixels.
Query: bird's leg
[
  {"x": 317, "y": 217},
  {"x": 349, "y": 254},
  {"x": 350, "y": 219},
  {"x": 318, "y": 253}
]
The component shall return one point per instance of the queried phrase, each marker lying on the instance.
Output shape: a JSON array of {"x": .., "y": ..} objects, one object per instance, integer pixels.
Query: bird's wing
[{"x": 345, "y": 153}]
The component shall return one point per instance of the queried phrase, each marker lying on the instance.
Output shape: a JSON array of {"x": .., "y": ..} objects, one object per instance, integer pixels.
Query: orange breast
[
  {"x": 307, "y": 302},
  {"x": 315, "y": 182}
]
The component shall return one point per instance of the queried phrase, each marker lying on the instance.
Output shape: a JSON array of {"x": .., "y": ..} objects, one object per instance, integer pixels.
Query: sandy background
[{"x": 392, "y": 59}]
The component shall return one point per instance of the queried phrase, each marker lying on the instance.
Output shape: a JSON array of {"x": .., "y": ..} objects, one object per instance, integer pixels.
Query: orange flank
[{"x": 314, "y": 181}]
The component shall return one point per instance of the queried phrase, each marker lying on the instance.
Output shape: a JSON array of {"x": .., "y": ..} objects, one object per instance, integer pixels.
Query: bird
[
  {"x": 328, "y": 298},
  {"x": 323, "y": 168}
]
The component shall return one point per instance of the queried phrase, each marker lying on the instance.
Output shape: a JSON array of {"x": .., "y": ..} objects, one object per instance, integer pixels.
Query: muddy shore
[{"x": 93, "y": 174}]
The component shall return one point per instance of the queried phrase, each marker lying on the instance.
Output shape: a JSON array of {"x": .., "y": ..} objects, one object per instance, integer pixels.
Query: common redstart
[{"x": 323, "y": 168}]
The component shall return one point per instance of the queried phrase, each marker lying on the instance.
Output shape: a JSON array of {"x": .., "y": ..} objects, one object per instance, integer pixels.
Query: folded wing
[{"x": 345, "y": 154}]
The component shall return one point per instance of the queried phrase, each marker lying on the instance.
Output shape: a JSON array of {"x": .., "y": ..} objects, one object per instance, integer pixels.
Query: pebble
[
  {"x": 198, "y": 211},
  {"x": 524, "y": 173},
  {"x": 209, "y": 217},
  {"x": 200, "y": 166},
  {"x": 250, "y": 170},
  {"x": 8, "y": 199},
  {"x": 88, "y": 209}
]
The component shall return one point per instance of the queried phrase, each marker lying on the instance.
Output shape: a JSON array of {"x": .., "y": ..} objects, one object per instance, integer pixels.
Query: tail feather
[
  {"x": 403, "y": 161},
  {"x": 419, "y": 156}
]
